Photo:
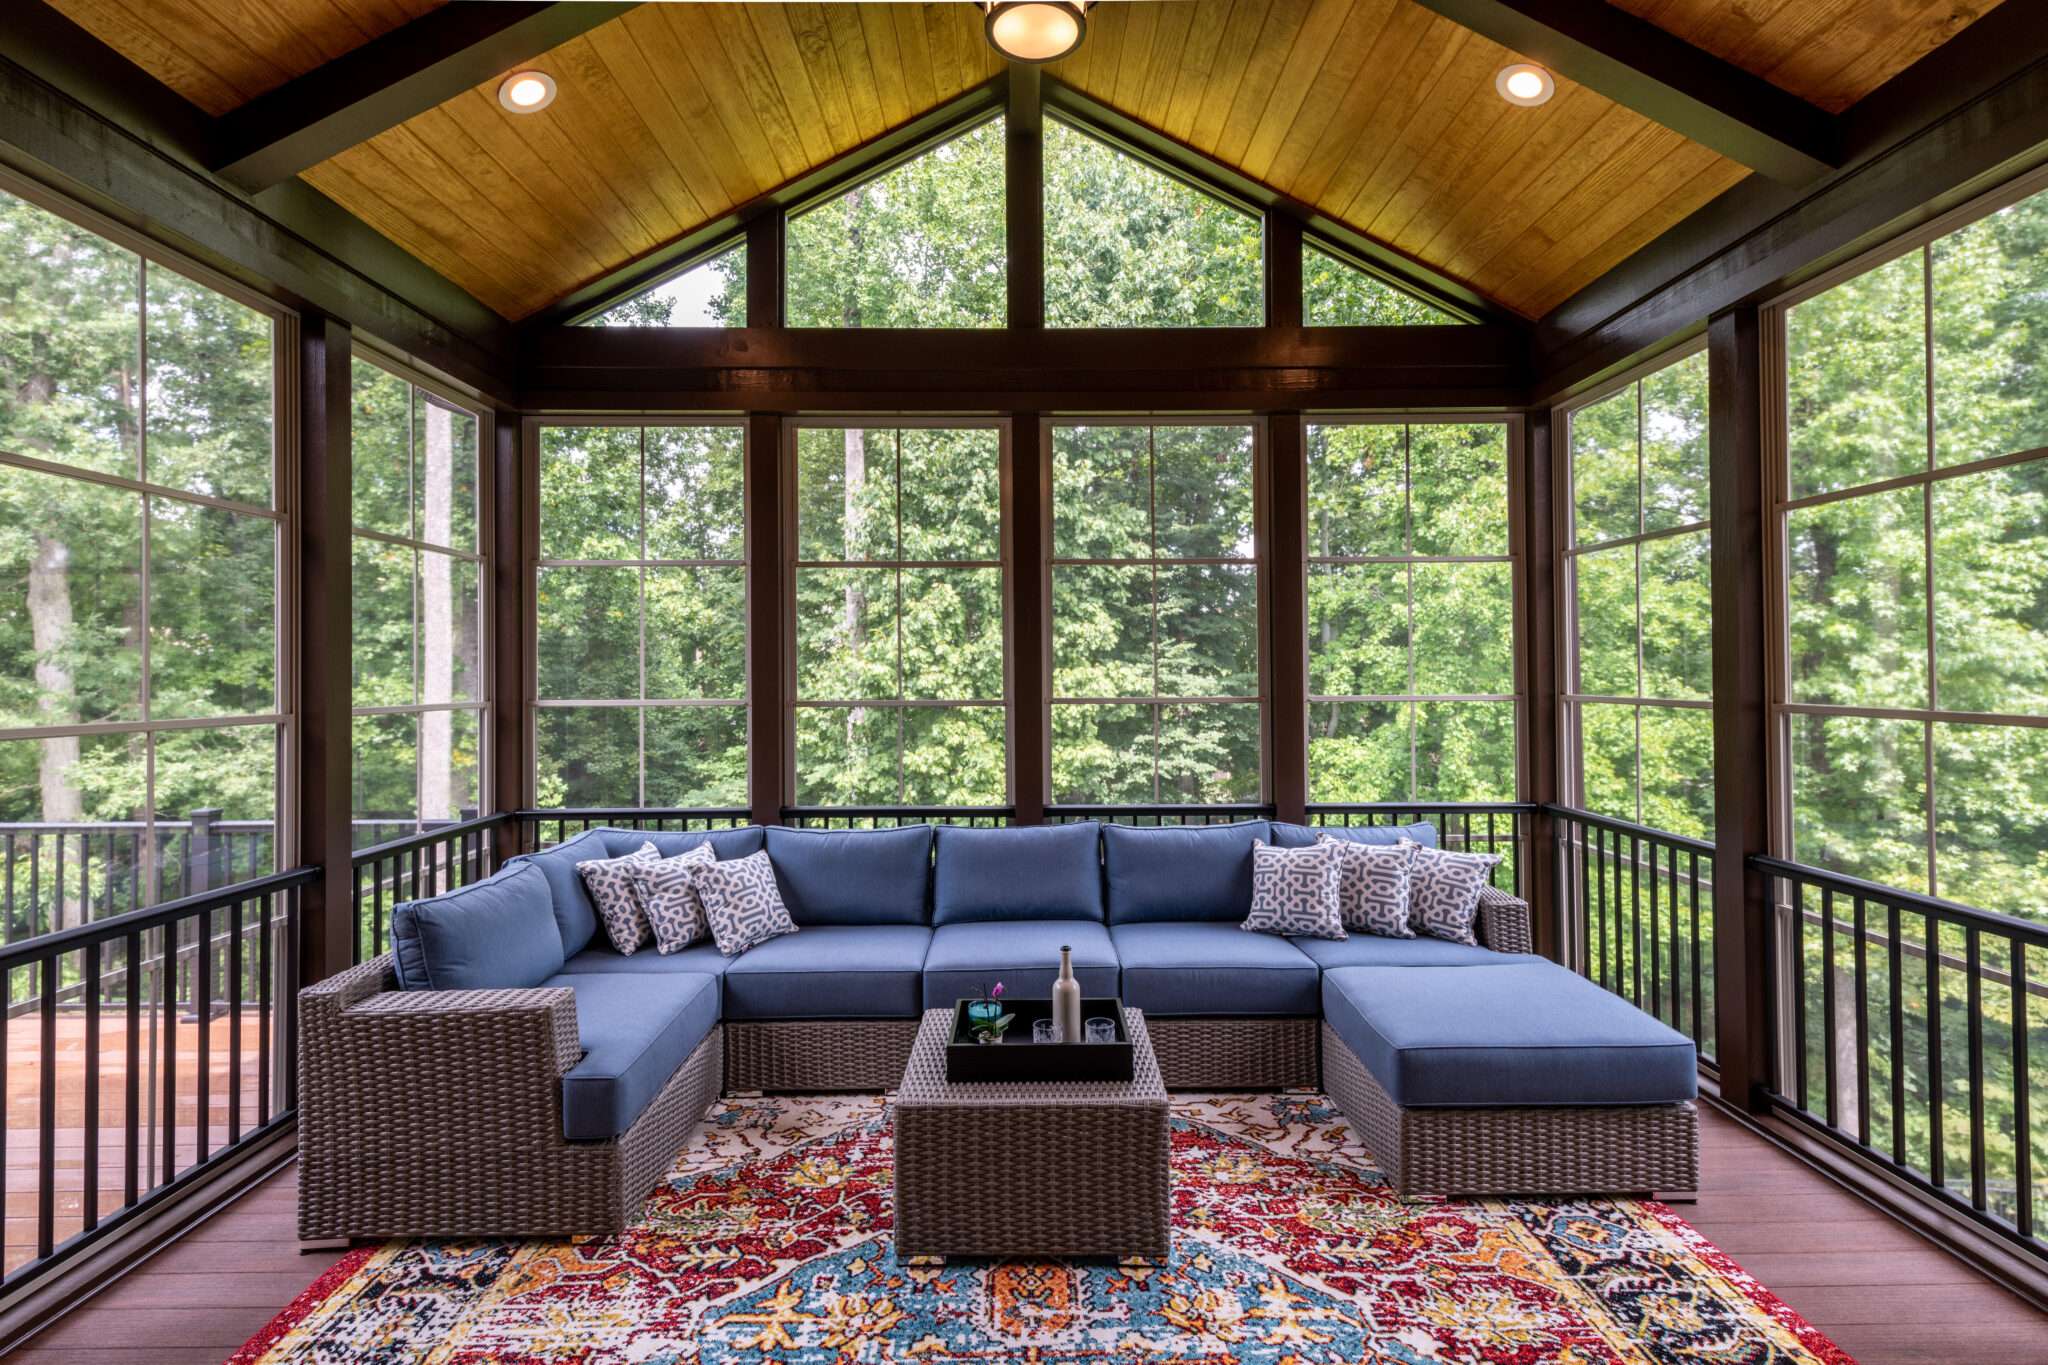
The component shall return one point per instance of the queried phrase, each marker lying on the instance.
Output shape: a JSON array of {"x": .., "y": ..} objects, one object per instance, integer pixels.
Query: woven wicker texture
[
  {"x": 1043, "y": 1168},
  {"x": 439, "y": 1114},
  {"x": 809, "y": 1056},
  {"x": 1606, "y": 1150},
  {"x": 1235, "y": 1054},
  {"x": 1504, "y": 922}
]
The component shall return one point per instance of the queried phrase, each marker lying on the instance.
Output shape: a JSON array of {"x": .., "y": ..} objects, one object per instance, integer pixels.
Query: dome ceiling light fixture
[
  {"x": 1525, "y": 83},
  {"x": 527, "y": 92},
  {"x": 1035, "y": 31}
]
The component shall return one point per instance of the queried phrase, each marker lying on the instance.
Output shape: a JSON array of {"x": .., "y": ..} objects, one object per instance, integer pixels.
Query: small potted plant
[{"x": 985, "y": 1015}]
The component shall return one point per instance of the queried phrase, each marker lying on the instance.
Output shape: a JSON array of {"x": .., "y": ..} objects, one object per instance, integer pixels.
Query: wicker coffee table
[{"x": 1035, "y": 1168}]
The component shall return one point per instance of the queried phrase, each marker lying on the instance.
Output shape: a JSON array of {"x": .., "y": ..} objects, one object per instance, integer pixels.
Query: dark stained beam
[
  {"x": 1024, "y": 195},
  {"x": 1287, "y": 616},
  {"x": 884, "y": 369},
  {"x": 1538, "y": 624},
  {"x": 388, "y": 80},
  {"x": 327, "y": 935},
  {"x": 1666, "y": 79},
  {"x": 767, "y": 670},
  {"x": 513, "y": 502},
  {"x": 1027, "y": 479}
]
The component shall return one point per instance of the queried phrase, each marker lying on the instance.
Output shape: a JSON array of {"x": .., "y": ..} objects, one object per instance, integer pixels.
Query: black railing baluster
[
  {"x": 1693, "y": 877},
  {"x": 2022, "y": 1094},
  {"x": 131, "y": 1155},
  {"x": 1600, "y": 894},
  {"x": 234, "y": 994},
  {"x": 1973, "y": 993},
  {"x": 263, "y": 1058},
  {"x": 1656, "y": 958},
  {"x": 1895, "y": 951},
  {"x": 1937, "y": 1107},
  {"x": 170, "y": 1057},
  {"x": 1827, "y": 1003},
  {"x": 46, "y": 1132},
  {"x": 1799, "y": 992},
  {"x": 1862, "y": 1028},
  {"x": 89, "y": 1191}
]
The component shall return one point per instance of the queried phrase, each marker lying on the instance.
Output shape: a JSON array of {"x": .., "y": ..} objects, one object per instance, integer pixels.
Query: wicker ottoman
[{"x": 1038, "y": 1169}]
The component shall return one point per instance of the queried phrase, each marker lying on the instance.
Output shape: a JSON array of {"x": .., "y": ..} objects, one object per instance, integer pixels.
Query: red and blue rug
[{"x": 770, "y": 1243}]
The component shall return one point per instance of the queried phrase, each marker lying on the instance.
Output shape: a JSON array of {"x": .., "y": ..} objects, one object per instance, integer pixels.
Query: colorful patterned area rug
[{"x": 770, "y": 1242}]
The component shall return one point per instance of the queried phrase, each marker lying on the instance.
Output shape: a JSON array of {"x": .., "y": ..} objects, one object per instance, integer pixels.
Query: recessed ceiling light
[
  {"x": 527, "y": 92},
  {"x": 1036, "y": 30},
  {"x": 1525, "y": 83}
]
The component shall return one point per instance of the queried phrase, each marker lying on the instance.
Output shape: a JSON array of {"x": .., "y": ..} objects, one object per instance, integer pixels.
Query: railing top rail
[
  {"x": 407, "y": 843},
  {"x": 153, "y": 917},
  {"x": 895, "y": 812},
  {"x": 633, "y": 813},
  {"x": 1253, "y": 809},
  {"x": 1422, "y": 807},
  {"x": 1586, "y": 817},
  {"x": 1993, "y": 921}
]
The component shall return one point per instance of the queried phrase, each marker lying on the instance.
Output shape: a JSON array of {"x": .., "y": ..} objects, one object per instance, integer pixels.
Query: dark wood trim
[
  {"x": 511, "y": 683},
  {"x": 1537, "y": 627},
  {"x": 1027, "y": 484},
  {"x": 1285, "y": 306},
  {"x": 325, "y": 671},
  {"x": 1735, "y": 416},
  {"x": 1183, "y": 162},
  {"x": 766, "y": 730},
  {"x": 413, "y": 68},
  {"x": 1024, "y": 195},
  {"x": 765, "y": 275},
  {"x": 1666, "y": 79},
  {"x": 1286, "y": 570}
]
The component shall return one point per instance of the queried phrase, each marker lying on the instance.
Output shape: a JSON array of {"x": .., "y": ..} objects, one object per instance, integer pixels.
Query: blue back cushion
[
  {"x": 1044, "y": 872},
  {"x": 853, "y": 876},
  {"x": 1180, "y": 872},
  {"x": 494, "y": 934},
  {"x": 1301, "y": 836},
  {"x": 728, "y": 844},
  {"x": 575, "y": 915}
]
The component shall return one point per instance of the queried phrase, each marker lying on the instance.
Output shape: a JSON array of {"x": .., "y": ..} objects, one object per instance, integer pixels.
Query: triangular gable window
[
  {"x": 1335, "y": 293},
  {"x": 711, "y": 293}
]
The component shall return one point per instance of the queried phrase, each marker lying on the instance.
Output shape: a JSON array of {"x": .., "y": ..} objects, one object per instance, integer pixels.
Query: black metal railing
[
  {"x": 1495, "y": 827},
  {"x": 387, "y": 875},
  {"x": 1222, "y": 814},
  {"x": 1635, "y": 907},
  {"x": 1911, "y": 1030},
  {"x": 155, "y": 1043},
  {"x": 887, "y": 817}
]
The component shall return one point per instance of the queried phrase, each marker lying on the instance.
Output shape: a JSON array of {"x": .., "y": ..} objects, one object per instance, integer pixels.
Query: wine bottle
[{"x": 1066, "y": 998}]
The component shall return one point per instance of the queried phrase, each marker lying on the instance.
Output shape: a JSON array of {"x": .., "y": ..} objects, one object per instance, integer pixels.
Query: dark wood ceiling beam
[
  {"x": 1641, "y": 67},
  {"x": 388, "y": 80}
]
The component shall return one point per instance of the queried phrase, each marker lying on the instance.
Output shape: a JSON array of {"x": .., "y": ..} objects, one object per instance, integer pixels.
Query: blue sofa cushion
[
  {"x": 1301, "y": 836},
  {"x": 1038, "y": 873},
  {"x": 635, "y": 1030},
  {"x": 601, "y": 959},
  {"x": 853, "y": 876},
  {"x": 575, "y": 912},
  {"x": 1517, "y": 1033},
  {"x": 490, "y": 935},
  {"x": 845, "y": 971},
  {"x": 1180, "y": 872},
  {"x": 1208, "y": 968},
  {"x": 1371, "y": 950},
  {"x": 728, "y": 844},
  {"x": 1022, "y": 954}
]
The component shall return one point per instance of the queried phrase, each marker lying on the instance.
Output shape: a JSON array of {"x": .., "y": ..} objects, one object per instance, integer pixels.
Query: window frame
[
  {"x": 531, "y": 462},
  {"x": 1260, "y": 562},
  {"x": 283, "y": 513},
  {"x": 1515, "y": 458}
]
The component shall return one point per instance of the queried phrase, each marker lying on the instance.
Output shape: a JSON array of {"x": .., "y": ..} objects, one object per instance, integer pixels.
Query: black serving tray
[{"x": 1017, "y": 1058}]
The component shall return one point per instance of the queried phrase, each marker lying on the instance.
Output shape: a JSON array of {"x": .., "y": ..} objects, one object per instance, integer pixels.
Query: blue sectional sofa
[{"x": 504, "y": 1030}]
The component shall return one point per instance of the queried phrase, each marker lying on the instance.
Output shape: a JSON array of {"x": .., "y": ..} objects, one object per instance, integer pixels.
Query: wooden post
[
  {"x": 1024, "y": 196},
  {"x": 764, "y": 269},
  {"x": 325, "y": 612},
  {"x": 1028, "y": 482},
  {"x": 766, "y": 733},
  {"x": 511, "y": 495},
  {"x": 1539, "y": 678},
  {"x": 1286, "y": 571},
  {"x": 1284, "y": 305},
  {"x": 1735, "y": 382}
]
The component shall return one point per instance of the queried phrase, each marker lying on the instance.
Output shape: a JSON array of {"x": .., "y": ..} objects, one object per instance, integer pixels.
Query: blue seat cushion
[
  {"x": 1212, "y": 969},
  {"x": 1516, "y": 1033},
  {"x": 494, "y": 934},
  {"x": 843, "y": 971},
  {"x": 1180, "y": 872},
  {"x": 600, "y": 959},
  {"x": 635, "y": 1032},
  {"x": 1301, "y": 836},
  {"x": 1038, "y": 873},
  {"x": 575, "y": 914},
  {"x": 853, "y": 876},
  {"x": 1022, "y": 954},
  {"x": 1370, "y": 950}
]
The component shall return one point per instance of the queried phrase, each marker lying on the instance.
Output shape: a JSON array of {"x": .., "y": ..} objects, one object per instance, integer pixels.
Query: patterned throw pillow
[
  {"x": 1372, "y": 885},
  {"x": 1294, "y": 891},
  {"x": 741, "y": 902},
  {"x": 668, "y": 893},
  {"x": 617, "y": 896},
  {"x": 1443, "y": 894}
]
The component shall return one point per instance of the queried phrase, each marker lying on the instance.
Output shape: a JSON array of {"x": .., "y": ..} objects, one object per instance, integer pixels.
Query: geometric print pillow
[
  {"x": 1443, "y": 893},
  {"x": 1294, "y": 891},
  {"x": 668, "y": 892},
  {"x": 741, "y": 902},
  {"x": 1372, "y": 885},
  {"x": 617, "y": 896}
]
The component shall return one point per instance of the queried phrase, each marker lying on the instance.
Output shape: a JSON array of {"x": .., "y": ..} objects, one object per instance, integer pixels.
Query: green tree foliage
[{"x": 1336, "y": 293}]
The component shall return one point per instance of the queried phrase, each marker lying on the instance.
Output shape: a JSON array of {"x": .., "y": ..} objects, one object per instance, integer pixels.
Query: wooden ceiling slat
[
  {"x": 856, "y": 66},
  {"x": 1134, "y": 62},
  {"x": 915, "y": 46},
  {"x": 1282, "y": 29},
  {"x": 711, "y": 127},
  {"x": 790, "y": 37},
  {"x": 1381, "y": 135},
  {"x": 1357, "y": 117},
  {"x": 1501, "y": 147},
  {"x": 1314, "y": 43},
  {"x": 670, "y": 144},
  {"x": 1205, "y": 38},
  {"x": 798, "y": 138},
  {"x": 878, "y": 28},
  {"x": 1335, "y": 87},
  {"x": 608, "y": 126},
  {"x": 1450, "y": 159},
  {"x": 440, "y": 132},
  {"x": 1226, "y": 73},
  {"x": 1169, "y": 42},
  {"x": 1467, "y": 64},
  {"x": 692, "y": 34},
  {"x": 533, "y": 152}
]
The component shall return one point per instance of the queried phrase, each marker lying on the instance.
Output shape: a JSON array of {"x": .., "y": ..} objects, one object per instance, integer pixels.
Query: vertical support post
[
  {"x": 202, "y": 856},
  {"x": 511, "y": 760},
  {"x": 1028, "y": 483},
  {"x": 1735, "y": 413},
  {"x": 1024, "y": 196},
  {"x": 1539, "y": 679},
  {"x": 766, "y": 733},
  {"x": 1284, "y": 307},
  {"x": 325, "y": 614},
  {"x": 1286, "y": 572},
  {"x": 764, "y": 270}
]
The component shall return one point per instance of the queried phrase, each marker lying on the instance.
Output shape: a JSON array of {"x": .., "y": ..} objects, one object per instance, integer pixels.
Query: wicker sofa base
[
  {"x": 1589, "y": 1150},
  {"x": 1234, "y": 1054},
  {"x": 810, "y": 1056}
]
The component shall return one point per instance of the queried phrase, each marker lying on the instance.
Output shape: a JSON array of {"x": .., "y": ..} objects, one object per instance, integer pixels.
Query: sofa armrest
[{"x": 1504, "y": 922}]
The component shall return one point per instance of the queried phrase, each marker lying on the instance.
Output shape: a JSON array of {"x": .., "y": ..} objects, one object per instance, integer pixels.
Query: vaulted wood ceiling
[{"x": 1379, "y": 113}]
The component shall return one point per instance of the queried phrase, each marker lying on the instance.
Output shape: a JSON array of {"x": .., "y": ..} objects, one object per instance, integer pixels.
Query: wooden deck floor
[{"x": 1888, "y": 1297}]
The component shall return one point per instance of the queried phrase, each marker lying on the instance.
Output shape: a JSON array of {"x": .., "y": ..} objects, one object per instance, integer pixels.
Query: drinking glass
[
  {"x": 1101, "y": 1030},
  {"x": 1044, "y": 1031}
]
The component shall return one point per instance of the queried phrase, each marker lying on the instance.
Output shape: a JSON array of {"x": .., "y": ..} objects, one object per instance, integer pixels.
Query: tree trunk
[
  {"x": 50, "y": 621},
  {"x": 437, "y": 611}
]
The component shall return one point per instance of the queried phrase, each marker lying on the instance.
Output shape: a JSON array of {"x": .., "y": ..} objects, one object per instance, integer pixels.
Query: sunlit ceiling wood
[
  {"x": 665, "y": 119},
  {"x": 1828, "y": 52},
  {"x": 220, "y": 54}
]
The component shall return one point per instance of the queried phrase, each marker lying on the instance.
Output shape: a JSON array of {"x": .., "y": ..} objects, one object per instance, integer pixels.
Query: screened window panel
[
  {"x": 712, "y": 293},
  {"x": 1858, "y": 600},
  {"x": 586, "y": 756},
  {"x": 212, "y": 408},
  {"x": 72, "y": 654},
  {"x": 590, "y": 492},
  {"x": 1856, "y": 381},
  {"x": 1859, "y": 797},
  {"x": 1335, "y": 293}
]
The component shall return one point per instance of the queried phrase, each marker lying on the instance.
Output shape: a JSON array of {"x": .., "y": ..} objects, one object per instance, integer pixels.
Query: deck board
[{"x": 1886, "y": 1295}]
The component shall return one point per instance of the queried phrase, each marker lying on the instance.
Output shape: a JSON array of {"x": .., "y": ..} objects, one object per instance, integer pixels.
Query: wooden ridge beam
[
  {"x": 1664, "y": 78},
  {"x": 388, "y": 80}
]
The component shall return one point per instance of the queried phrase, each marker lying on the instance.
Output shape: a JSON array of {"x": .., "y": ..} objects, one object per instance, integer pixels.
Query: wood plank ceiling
[{"x": 1380, "y": 113}]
